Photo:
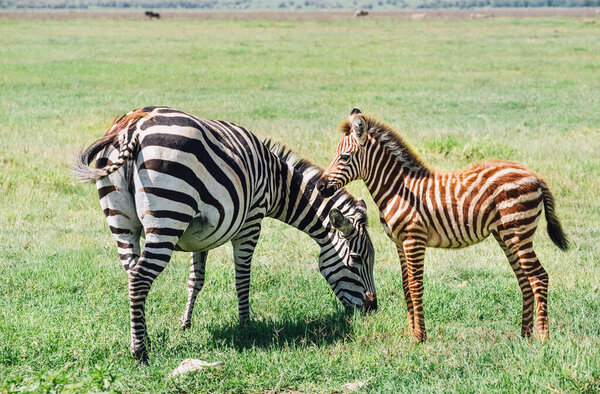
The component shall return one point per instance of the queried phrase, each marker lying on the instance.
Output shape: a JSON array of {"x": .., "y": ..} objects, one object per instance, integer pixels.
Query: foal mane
[{"x": 390, "y": 139}]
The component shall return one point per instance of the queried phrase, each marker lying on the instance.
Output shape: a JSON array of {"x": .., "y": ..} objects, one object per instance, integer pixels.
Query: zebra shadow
[{"x": 285, "y": 331}]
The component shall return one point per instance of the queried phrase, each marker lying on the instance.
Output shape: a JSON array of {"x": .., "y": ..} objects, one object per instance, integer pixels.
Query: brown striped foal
[{"x": 421, "y": 207}]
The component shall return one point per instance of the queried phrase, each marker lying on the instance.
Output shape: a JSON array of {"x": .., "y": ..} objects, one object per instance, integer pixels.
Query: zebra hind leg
[
  {"x": 157, "y": 253},
  {"x": 195, "y": 283},
  {"x": 524, "y": 285},
  {"x": 129, "y": 250}
]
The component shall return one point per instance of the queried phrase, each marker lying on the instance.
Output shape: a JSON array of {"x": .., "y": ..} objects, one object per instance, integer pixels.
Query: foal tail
[
  {"x": 555, "y": 230},
  {"x": 127, "y": 135}
]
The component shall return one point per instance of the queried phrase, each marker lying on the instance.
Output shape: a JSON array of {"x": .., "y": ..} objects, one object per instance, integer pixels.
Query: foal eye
[{"x": 345, "y": 157}]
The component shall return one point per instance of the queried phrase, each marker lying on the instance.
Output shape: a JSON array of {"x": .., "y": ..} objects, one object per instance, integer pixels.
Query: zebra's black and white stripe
[
  {"x": 420, "y": 207},
  {"x": 192, "y": 184}
]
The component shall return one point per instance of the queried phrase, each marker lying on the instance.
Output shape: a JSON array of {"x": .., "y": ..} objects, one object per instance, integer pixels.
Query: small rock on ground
[
  {"x": 354, "y": 385},
  {"x": 192, "y": 364}
]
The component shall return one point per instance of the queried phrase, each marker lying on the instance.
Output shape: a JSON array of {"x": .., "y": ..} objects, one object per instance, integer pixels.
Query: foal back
[{"x": 464, "y": 207}]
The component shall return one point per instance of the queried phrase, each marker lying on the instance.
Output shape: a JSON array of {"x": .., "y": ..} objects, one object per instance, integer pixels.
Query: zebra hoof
[
  {"x": 244, "y": 323},
  {"x": 186, "y": 325},
  {"x": 140, "y": 354},
  {"x": 526, "y": 332},
  {"x": 139, "y": 350}
]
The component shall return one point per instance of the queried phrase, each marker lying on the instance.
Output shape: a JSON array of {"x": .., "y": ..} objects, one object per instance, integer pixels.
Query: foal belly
[{"x": 455, "y": 238}]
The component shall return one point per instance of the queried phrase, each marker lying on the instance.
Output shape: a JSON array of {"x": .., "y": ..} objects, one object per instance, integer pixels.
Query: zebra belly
[{"x": 201, "y": 235}]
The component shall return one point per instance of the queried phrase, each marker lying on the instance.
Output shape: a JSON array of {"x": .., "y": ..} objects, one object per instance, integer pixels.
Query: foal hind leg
[
  {"x": 195, "y": 283},
  {"x": 538, "y": 277},
  {"x": 524, "y": 285}
]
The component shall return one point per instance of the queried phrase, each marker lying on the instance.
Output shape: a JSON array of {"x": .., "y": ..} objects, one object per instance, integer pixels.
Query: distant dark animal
[
  {"x": 193, "y": 184},
  {"x": 150, "y": 15},
  {"x": 360, "y": 13}
]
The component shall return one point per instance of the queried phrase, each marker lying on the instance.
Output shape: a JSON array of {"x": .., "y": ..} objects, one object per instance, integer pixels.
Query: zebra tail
[
  {"x": 85, "y": 173},
  {"x": 555, "y": 230}
]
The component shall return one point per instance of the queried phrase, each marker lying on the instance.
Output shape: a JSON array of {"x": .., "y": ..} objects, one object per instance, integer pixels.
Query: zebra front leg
[
  {"x": 409, "y": 304},
  {"x": 414, "y": 251},
  {"x": 195, "y": 283},
  {"x": 243, "y": 249},
  {"x": 524, "y": 285}
]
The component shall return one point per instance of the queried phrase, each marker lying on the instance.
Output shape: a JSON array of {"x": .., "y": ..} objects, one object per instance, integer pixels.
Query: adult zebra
[
  {"x": 191, "y": 184},
  {"x": 420, "y": 207}
]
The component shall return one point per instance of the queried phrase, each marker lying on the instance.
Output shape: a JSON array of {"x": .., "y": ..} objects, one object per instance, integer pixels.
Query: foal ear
[
  {"x": 358, "y": 125},
  {"x": 357, "y": 122},
  {"x": 340, "y": 222}
]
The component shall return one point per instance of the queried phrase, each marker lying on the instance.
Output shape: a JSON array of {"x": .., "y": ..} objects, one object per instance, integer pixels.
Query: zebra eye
[
  {"x": 356, "y": 259},
  {"x": 344, "y": 157}
]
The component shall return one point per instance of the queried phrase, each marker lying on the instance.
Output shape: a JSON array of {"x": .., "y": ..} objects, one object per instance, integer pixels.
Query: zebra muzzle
[{"x": 370, "y": 304}]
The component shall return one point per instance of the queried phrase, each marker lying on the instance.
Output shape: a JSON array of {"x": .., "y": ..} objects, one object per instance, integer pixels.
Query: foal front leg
[
  {"x": 405, "y": 286},
  {"x": 414, "y": 251}
]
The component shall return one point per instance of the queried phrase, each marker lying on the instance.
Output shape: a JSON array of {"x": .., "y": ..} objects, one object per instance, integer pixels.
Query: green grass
[{"x": 525, "y": 90}]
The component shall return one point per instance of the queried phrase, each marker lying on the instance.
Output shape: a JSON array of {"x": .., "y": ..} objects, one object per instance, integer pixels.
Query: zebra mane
[
  {"x": 293, "y": 159},
  {"x": 305, "y": 166},
  {"x": 389, "y": 138}
]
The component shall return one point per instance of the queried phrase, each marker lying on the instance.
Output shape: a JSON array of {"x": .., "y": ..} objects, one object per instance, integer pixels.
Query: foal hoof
[
  {"x": 420, "y": 337},
  {"x": 542, "y": 336}
]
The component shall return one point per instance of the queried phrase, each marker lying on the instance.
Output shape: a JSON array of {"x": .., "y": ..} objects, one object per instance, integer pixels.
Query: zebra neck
[
  {"x": 389, "y": 174},
  {"x": 298, "y": 203}
]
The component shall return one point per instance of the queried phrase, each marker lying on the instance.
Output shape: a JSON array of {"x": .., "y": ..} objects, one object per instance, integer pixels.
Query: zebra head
[
  {"x": 351, "y": 274},
  {"x": 347, "y": 165}
]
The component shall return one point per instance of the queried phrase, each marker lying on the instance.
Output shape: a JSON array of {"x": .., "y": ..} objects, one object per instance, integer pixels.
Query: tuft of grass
[{"x": 525, "y": 90}]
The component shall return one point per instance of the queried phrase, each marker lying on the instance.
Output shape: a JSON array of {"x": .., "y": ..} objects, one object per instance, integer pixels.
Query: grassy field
[{"x": 527, "y": 90}]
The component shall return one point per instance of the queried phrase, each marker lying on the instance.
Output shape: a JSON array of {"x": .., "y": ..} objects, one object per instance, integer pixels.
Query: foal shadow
[{"x": 286, "y": 331}]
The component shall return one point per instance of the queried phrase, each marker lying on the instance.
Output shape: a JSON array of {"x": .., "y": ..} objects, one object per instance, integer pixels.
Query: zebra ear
[
  {"x": 361, "y": 204},
  {"x": 340, "y": 222}
]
